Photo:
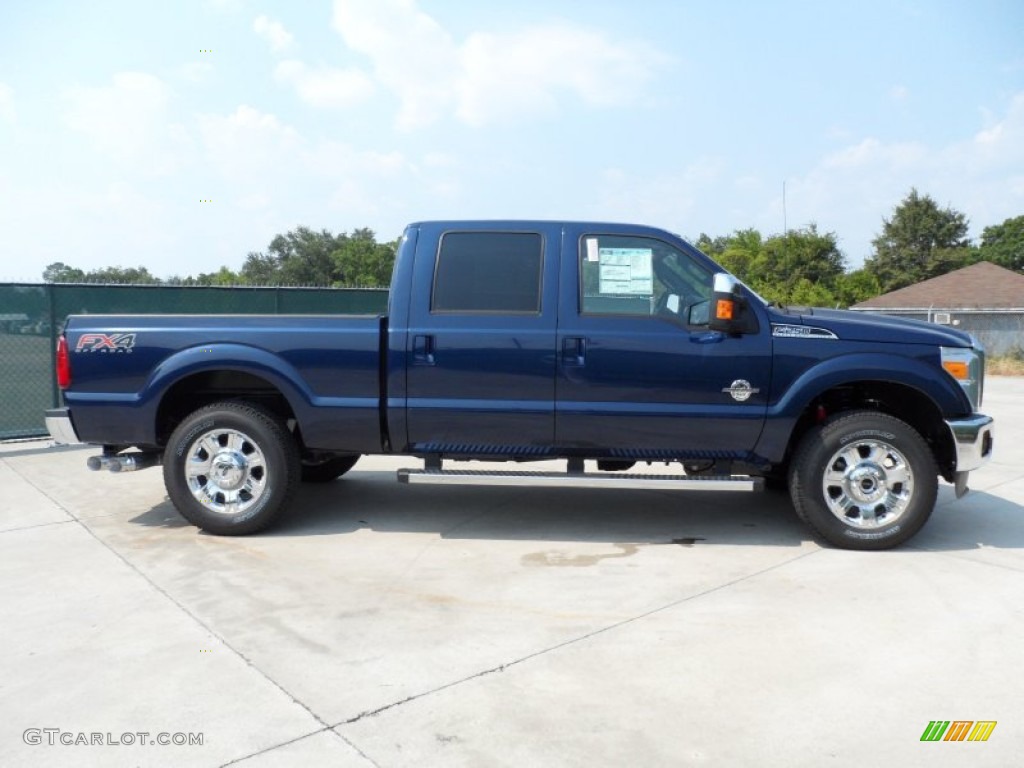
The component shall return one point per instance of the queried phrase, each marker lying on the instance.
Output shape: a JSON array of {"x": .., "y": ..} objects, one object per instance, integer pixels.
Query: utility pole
[{"x": 785, "y": 226}]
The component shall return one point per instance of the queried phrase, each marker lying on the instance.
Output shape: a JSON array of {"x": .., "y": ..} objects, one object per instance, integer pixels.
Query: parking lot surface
[{"x": 392, "y": 625}]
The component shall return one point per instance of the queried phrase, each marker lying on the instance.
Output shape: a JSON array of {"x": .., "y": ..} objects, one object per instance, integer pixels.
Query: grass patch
[
  {"x": 1005, "y": 365},
  {"x": 25, "y": 388},
  {"x": 1010, "y": 364}
]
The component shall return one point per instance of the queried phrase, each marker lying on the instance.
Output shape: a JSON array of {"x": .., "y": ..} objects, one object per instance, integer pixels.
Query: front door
[{"x": 639, "y": 373}]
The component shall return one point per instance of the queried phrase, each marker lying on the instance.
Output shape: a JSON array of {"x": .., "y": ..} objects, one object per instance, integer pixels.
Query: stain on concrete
[{"x": 561, "y": 558}]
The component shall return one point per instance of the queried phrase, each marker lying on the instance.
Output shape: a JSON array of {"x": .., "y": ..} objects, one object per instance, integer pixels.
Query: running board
[{"x": 582, "y": 480}]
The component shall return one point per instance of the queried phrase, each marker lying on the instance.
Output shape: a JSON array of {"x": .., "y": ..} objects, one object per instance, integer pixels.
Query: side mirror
[
  {"x": 729, "y": 311},
  {"x": 724, "y": 303}
]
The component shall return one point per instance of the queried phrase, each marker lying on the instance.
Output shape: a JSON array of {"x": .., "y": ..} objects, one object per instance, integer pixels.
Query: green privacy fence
[{"x": 32, "y": 315}]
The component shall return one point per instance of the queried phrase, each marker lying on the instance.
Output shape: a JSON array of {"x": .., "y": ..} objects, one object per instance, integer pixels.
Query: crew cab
[{"x": 518, "y": 341}]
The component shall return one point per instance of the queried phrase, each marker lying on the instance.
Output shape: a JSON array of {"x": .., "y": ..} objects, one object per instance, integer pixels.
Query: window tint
[
  {"x": 488, "y": 272},
  {"x": 641, "y": 276}
]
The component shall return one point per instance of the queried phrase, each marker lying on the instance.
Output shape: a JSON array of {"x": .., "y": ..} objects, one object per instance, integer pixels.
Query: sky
[{"x": 182, "y": 136}]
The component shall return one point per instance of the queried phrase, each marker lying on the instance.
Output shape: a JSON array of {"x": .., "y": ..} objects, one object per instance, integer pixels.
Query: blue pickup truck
[{"x": 519, "y": 341}]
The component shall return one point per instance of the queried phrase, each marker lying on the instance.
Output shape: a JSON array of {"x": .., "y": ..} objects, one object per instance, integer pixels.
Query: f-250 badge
[
  {"x": 110, "y": 343},
  {"x": 741, "y": 390}
]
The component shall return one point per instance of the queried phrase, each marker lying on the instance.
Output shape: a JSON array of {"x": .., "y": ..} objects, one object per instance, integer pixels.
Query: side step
[{"x": 582, "y": 480}]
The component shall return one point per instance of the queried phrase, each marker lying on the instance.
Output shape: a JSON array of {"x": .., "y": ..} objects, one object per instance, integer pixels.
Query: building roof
[{"x": 980, "y": 286}]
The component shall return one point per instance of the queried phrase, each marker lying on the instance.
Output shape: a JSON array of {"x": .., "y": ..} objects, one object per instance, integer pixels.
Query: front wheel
[
  {"x": 231, "y": 468},
  {"x": 865, "y": 480}
]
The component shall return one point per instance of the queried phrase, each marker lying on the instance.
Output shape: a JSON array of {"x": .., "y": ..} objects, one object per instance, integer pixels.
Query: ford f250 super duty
[{"x": 519, "y": 341}]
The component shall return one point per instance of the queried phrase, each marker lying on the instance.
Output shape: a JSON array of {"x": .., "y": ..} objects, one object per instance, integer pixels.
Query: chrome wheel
[
  {"x": 226, "y": 471},
  {"x": 868, "y": 484}
]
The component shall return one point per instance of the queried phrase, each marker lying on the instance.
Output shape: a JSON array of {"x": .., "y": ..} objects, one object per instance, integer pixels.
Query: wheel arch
[
  {"x": 198, "y": 376},
  {"x": 902, "y": 401},
  {"x": 195, "y": 390}
]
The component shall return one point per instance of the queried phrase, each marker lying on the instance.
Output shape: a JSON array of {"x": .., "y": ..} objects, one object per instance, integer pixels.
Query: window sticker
[
  {"x": 625, "y": 271},
  {"x": 591, "y": 249}
]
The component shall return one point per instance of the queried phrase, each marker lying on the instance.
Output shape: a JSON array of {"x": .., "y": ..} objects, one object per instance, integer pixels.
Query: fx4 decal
[{"x": 106, "y": 342}]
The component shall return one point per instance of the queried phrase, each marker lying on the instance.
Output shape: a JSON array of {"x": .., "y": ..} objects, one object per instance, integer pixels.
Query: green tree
[
  {"x": 800, "y": 254},
  {"x": 224, "y": 276},
  {"x": 920, "y": 241},
  {"x": 361, "y": 260},
  {"x": 802, "y": 266},
  {"x": 855, "y": 287},
  {"x": 301, "y": 256},
  {"x": 1003, "y": 244},
  {"x": 122, "y": 275},
  {"x": 304, "y": 257},
  {"x": 739, "y": 252},
  {"x": 260, "y": 269},
  {"x": 712, "y": 246},
  {"x": 59, "y": 272},
  {"x": 805, "y": 293}
]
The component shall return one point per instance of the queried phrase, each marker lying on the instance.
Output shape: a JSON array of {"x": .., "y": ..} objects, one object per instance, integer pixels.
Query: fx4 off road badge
[
  {"x": 741, "y": 390},
  {"x": 110, "y": 343}
]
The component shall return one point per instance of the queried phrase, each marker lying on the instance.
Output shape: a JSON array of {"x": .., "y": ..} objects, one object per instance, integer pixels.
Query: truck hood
[{"x": 864, "y": 326}]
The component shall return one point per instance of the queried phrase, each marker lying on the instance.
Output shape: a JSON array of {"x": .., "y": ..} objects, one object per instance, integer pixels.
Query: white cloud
[
  {"x": 279, "y": 38},
  {"x": 412, "y": 55},
  {"x": 851, "y": 190},
  {"x": 325, "y": 87},
  {"x": 489, "y": 76},
  {"x": 899, "y": 93},
  {"x": 336, "y": 159},
  {"x": 264, "y": 157},
  {"x": 247, "y": 145},
  {"x": 1002, "y": 142},
  {"x": 128, "y": 121},
  {"x": 225, "y": 6},
  {"x": 505, "y": 75},
  {"x": 669, "y": 200},
  {"x": 6, "y": 103},
  {"x": 195, "y": 71}
]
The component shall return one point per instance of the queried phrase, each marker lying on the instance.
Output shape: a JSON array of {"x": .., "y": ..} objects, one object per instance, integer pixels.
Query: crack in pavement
[
  {"x": 181, "y": 607},
  {"x": 573, "y": 641},
  {"x": 327, "y": 729}
]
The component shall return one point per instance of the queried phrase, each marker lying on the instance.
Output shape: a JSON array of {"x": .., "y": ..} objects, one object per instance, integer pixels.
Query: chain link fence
[{"x": 32, "y": 317}]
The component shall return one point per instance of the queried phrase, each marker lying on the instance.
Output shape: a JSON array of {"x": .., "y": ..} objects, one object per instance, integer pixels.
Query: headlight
[{"x": 967, "y": 366}]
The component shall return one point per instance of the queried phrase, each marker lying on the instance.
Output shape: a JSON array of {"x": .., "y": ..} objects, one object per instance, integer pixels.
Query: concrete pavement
[{"x": 394, "y": 625}]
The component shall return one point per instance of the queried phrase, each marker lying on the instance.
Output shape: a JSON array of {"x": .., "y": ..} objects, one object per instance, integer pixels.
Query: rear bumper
[
  {"x": 58, "y": 424},
  {"x": 972, "y": 438}
]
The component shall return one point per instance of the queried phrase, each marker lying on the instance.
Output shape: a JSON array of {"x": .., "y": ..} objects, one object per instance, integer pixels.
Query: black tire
[
  {"x": 327, "y": 470},
  {"x": 777, "y": 482},
  {"x": 864, "y": 480},
  {"x": 231, "y": 468}
]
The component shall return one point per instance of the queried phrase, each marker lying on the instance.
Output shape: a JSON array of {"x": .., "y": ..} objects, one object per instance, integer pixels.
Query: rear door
[
  {"x": 639, "y": 373},
  {"x": 480, "y": 351}
]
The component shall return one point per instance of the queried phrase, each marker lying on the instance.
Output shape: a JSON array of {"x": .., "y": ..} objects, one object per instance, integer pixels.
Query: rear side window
[{"x": 488, "y": 272}]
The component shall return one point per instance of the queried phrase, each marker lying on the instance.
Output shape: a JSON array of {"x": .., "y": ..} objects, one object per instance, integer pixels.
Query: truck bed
[{"x": 327, "y": 366}]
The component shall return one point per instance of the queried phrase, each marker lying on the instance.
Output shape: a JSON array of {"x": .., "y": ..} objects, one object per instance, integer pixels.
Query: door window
[{"x": 642, "y": 277}]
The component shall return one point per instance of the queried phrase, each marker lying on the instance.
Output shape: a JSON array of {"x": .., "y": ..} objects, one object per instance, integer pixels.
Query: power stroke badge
[{"x": 741, "y": 390}]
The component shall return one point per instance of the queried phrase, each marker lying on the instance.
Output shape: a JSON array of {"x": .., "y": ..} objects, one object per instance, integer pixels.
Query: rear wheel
[
  {"x": 231, "y": 468},
  {"x": 865, "y": 480}
]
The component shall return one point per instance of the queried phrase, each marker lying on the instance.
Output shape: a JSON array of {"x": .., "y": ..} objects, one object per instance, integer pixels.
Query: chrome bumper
[
  {"x": 58, "y": 424},
  {"x": 972, "y": 437}
]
